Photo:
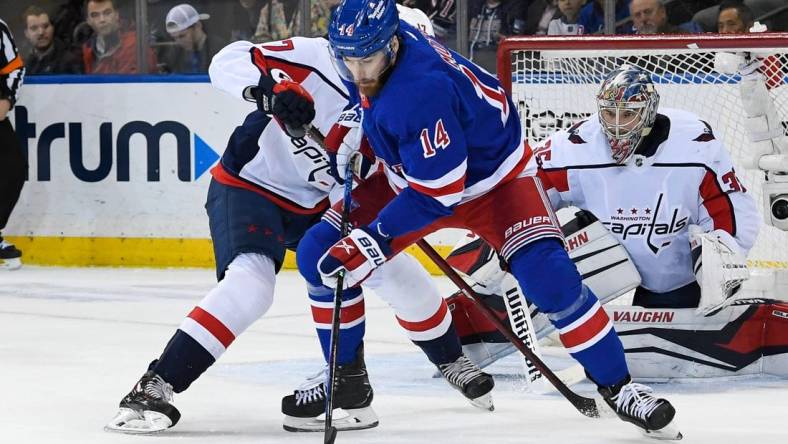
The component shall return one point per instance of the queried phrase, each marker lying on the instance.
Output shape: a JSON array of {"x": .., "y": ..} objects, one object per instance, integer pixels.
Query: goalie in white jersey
[
  {"x": 270, "y": 186},
  {"x": 662, "y": 184}
]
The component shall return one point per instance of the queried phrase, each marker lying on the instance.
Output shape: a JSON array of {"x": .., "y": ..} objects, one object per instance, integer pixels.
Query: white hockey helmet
[
  {"x": 627, "y": 102},
  {"x": 416, "y": 18}
]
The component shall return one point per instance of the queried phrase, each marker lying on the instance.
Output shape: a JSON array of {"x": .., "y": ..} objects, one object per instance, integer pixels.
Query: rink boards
[{"x": 118, "y": 169}]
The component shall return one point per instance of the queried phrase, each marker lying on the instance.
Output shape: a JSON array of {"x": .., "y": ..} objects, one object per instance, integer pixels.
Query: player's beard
[{"x": 369, "y": 88}]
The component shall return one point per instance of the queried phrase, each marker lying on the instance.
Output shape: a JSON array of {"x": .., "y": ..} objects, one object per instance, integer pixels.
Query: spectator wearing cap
[
  {"x": 651, "y": 17},
  {"x": 48, "y": 55},
  {"x": 567, "y": 24},
  {"x": 111, "y": 50},
  {"x": 196, "y": 46}
]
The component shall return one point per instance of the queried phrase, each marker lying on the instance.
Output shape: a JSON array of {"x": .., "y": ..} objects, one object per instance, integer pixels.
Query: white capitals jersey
[
  {"x": 294, "y": 170},
  {"x": 681, "y": 175}
]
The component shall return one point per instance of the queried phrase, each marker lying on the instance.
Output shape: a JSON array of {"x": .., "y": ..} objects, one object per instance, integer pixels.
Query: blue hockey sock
[
  {"x": 550, "y": 280},
  {"x": 351, "y": 327},
  {"x": 182, "y": 361},
  {"x": 443, "y": 349}
]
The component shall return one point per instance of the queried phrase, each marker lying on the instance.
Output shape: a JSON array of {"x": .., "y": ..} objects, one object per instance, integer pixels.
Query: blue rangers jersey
[{"x": 445, "y": 129}]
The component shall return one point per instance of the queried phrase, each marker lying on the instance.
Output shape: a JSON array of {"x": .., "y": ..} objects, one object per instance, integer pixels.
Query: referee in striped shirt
[{"x": 13, "y": 165}]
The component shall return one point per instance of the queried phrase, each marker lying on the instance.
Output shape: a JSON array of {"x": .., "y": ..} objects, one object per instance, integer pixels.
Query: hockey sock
[
  {"x": 182, "y": 361},
  {"x": 315, "y": 242},
  {"x": 351, "y": 326},
  {"x": 418, "y": 305},
  {"x": 549, "y": 279},
  {"x": 443, "y": 349},
  {"x": 242, "y": 297}
]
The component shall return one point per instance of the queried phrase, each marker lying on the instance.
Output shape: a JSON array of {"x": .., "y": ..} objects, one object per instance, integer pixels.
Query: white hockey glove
[{"x": 720, "y": 267}]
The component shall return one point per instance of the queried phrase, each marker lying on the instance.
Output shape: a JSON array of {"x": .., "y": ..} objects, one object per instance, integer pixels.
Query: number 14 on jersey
[{"x": 440, "y": 139}]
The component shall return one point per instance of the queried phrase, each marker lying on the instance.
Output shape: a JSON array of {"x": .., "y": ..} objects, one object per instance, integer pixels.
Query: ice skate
[
  {"x": 10, "y": 256},
  {"x": 635, "y": 403},
  {"x": 304, "y": 409},
  {"x": 147, "y": 408},
  {"x": 473, "y": 383}
]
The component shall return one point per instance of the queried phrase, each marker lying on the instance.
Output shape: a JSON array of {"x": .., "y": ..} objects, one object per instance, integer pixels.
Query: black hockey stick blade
[
  {"x": 330, "y": 436},
  {"x": 586, "y": 406}
]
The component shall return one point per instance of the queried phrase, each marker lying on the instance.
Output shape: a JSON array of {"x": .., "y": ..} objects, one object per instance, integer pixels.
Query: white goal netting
[{"x": 554, "y": 81}]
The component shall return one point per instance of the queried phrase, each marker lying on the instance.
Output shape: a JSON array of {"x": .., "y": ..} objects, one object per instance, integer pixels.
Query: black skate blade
[{"x": 331, "y": 435}]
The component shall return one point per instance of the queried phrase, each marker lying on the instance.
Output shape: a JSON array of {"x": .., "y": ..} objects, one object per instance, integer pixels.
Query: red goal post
[{"x": 553, "y": 81}]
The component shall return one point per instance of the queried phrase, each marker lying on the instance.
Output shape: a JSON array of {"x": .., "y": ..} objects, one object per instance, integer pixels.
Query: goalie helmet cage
[{"x": 682, "y": 68}]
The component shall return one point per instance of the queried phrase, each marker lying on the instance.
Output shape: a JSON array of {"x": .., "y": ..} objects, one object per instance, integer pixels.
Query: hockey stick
[
  {"x": 586, "y": 406},
  {"x": 331, "y": 431},
  {"x": 517, "y": 307}
]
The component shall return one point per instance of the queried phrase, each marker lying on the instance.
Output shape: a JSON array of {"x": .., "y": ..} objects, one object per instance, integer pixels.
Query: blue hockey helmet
[
  {"x": 360, "y": 28},
  {"x": 627, "y": 102}
]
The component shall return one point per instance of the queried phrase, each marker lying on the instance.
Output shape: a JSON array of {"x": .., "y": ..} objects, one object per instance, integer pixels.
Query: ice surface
[{"x": 74, "y": 340}]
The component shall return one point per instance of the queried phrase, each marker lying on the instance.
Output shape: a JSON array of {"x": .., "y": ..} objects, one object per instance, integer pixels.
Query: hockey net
[{"x": 553, "y": 82}]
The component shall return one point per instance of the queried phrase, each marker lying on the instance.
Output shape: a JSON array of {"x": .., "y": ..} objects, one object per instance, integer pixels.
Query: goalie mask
[
  {"x": 627, "y": 102},
  {"x": 361, "y": 35}
]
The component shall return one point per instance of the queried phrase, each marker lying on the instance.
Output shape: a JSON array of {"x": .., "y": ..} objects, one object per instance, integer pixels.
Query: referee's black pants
[{"x": 13, "y": 169}]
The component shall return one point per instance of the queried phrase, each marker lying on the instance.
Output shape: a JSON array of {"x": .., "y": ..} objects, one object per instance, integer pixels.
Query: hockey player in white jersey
[
  {"x": 664, "y": 187},
  {"x": 271, "y": 185},
  {"x": 662, "y": 184}
]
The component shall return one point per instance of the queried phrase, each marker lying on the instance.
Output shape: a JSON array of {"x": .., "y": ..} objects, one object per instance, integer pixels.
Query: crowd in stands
[{"x": 100, "y": 36}]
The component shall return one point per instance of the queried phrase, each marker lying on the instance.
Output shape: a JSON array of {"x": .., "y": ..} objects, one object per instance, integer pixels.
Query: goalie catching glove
[
  {"x": 720, "y": 268},
  {"x": 287, "y": 101},
  {"x": 357, "y": 255},
  {"x": 345, "y": 143}
]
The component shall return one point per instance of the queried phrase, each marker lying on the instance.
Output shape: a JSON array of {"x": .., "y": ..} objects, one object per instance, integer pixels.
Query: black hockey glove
[{"x": 288, "y": 102}]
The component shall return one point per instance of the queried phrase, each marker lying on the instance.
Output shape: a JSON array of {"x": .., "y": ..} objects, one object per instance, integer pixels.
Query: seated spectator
[
  {"x": 651, "y": 17},
  {"x": 567, "y": 23},
  {"x": 734, "y": 18},
  {"x": 195, "y": 46},
  {"x": 592, "y": 17},
  {"x": 280, "y": 19},
  {"x": 111, "y": 50},
  {"x": 707, "y": 18},
  {"x": 48, "y": 55}
]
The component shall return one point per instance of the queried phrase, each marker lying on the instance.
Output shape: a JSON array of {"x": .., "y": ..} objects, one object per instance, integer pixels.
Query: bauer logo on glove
[{"x": 357, "y": 254}]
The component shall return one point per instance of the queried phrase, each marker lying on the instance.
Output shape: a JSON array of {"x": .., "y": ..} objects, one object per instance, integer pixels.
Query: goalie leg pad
[{"x": 603, "y": 263}]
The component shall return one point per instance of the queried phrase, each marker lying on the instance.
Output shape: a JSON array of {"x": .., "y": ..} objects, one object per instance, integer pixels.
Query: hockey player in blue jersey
[
  {"x": 451, "y": 143},
  {"x": 269, "y": 187}
]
